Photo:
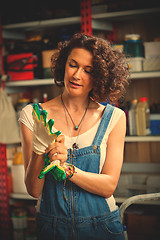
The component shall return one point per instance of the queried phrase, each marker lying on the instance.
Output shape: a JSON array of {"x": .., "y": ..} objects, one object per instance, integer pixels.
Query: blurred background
[{"x": 29, "y": 34}]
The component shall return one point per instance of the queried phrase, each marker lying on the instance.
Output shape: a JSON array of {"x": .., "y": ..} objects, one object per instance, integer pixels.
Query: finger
[
  {"x": 36, "y": 112},
  {"x": 57, "y": 149},
  {"x": 60, "y": 138},
  {"x": 61, "y": 157},
  {"x": 50, "y": 125},
  {"x": 43, "y": 117}
]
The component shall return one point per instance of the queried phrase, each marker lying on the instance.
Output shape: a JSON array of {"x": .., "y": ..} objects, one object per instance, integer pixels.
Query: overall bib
[{"x": 83, "y": 215}]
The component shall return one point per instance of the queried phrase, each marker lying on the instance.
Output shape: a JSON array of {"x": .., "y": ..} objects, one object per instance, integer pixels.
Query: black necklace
[{"x": 75, "y": 126}]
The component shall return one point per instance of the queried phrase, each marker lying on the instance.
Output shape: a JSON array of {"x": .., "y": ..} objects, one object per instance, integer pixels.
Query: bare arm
[
  {"x": 33, "y": 163},
  {"x": 104, "y": 184}
]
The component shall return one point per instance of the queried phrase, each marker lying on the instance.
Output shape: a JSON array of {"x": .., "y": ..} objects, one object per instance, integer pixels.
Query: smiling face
[{"x": 77, "y": 78}]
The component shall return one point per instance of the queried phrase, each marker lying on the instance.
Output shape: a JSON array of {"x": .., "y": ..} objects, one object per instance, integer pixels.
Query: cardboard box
[{"x": 151, "y": 49}]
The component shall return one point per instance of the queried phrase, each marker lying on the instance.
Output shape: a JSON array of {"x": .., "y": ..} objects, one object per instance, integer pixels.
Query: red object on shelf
[
  {"x": 21, "y": 66},
  {"x": 4, "y": 195},
  {"x": 143, "y": 99},
  {"x": 86, "y": 20},
  {"x": 112, "y": 35}
]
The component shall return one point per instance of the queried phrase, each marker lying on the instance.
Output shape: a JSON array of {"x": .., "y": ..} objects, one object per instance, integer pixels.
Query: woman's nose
[{"x": 77, "y": 74}]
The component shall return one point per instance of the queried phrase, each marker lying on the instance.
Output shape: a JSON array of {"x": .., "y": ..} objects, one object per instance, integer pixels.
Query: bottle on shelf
[
  {"x": 45, "y": 95},
  {"x": 132, "y": 118},
  {"x": 143, "y": 117}
]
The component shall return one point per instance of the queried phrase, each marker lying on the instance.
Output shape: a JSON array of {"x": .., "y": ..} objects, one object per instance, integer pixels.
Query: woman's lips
[{"x": 75, "y": 84}]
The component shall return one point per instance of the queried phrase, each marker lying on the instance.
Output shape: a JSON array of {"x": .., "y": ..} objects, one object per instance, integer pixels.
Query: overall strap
[{"x": 103, "y": 125}]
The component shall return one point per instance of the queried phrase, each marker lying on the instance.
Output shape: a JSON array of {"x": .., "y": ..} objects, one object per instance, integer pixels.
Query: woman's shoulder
[
  {"x": 118, "y": 111},
  {"x": 116, "y": 115},
  {"x": 26, "y": 116},
  {"x": 52, "y": 104},
  {"x": 28, "y": 108}
]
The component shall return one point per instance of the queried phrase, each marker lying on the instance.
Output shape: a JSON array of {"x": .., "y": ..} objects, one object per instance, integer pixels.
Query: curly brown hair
[{"x": 110, "y": 71}]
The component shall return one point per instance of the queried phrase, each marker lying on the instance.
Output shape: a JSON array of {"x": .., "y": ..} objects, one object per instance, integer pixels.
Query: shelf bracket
[{"x": 86, "y": 21}]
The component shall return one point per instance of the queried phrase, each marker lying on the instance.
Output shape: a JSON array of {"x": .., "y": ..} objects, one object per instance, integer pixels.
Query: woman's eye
[
  {"x": 72, "y": 65},
  {"x": 87, "y": 71}
]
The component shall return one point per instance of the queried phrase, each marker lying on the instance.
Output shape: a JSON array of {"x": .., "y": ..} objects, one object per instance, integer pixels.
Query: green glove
[
  {"x": 42, "y": 131},
  {"x": 56, "y": 170},
  {"x": 42, "y": 138}
]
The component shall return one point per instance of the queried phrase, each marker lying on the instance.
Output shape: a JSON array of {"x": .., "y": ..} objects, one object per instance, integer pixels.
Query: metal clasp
[{"x": 94, "y": 148}]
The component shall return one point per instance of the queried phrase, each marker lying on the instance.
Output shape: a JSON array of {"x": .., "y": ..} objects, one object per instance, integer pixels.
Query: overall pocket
[
  {"x": 105, "y": 227},
  {"x": 113, "y": 227},
  {"x": 44, "y": 228}
]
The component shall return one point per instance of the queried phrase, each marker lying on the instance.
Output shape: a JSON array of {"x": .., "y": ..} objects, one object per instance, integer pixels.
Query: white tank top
[{"x": 85, "y": 139}]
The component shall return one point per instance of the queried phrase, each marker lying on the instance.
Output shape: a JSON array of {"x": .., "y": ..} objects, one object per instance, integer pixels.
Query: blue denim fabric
[{"x": 83, "y": 216}]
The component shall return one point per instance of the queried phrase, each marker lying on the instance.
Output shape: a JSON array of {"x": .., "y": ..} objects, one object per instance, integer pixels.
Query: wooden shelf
[
  {"x": 30, "y": 83},
  {"x": 49, "y": 81},
  {"x": 21, "y": 196},
  {"x": 142, "y": 139},
  {"x": 30, "y": 26},
  {"x": 138, "y": 75},
  {"x": 128, "y": 13}
]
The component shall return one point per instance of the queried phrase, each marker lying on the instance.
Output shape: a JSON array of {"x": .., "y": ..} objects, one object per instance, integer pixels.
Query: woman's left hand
[{"x": 57, "y": 150}]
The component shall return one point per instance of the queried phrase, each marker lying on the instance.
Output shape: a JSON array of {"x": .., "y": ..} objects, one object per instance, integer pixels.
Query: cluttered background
[{"x": 29, "y": 34}]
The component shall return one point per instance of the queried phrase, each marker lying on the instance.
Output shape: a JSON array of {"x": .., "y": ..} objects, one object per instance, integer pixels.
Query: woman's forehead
[{"x": 81, "y": 55}]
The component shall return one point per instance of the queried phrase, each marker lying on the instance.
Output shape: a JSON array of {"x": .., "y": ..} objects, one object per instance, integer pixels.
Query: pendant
[
  {"x": 76, "y": 128},
  {"x": 75, "y": 146}
]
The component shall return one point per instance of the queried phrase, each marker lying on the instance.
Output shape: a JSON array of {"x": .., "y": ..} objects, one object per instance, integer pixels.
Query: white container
[
  {"x": 135, "y": 64},
  {"x": 18, "y": 179}
]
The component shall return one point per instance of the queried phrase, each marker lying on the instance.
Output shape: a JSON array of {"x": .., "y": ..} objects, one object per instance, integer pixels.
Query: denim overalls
[{"x": 83, "y": 216}]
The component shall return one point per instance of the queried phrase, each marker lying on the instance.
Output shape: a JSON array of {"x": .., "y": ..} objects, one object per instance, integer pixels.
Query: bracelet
[{"x": 70, "y": 170}]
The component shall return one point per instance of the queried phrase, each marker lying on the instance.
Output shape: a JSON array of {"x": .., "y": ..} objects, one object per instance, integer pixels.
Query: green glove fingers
[
  {"x": 49, "y": 126},
  {"x": 36, "y": 111},
  {"x": 43, "y": 117},
  {"x": 40, "y": 115},
  {"x": 45, "y": 170},
  {"x": 57, "y": 172}
]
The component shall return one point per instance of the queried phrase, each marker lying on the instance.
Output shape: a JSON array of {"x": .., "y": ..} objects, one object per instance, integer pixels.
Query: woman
[{"x": 92, "y": 142}]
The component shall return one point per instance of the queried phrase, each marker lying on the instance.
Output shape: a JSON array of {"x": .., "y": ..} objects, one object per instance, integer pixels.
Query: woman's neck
[{"x": 75, "y": 103}]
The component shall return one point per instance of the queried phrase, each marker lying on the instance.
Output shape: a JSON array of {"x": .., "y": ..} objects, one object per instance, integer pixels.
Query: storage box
[
  {"x": 155, "y": 124},
  {"x": 21, "y": 66},
  {"x": 135, "y": 64},
  {"x": 151, "y": 49},
  {"x": 151, "y": 63},
  {"x": 46, "y": 62}
]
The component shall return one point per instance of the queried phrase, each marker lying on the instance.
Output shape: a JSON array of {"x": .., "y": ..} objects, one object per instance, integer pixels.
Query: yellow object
[
  {"x": 17, "y": 158},
  {"x": 143, "y": 117},
  {"x": 46, "y": 57}
]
